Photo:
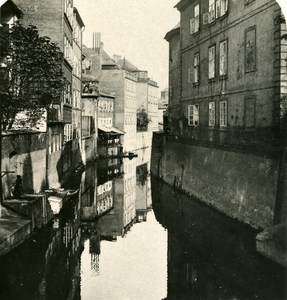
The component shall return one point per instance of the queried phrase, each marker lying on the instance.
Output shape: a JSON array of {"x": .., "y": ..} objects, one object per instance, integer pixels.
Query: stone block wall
[{"x": 241, "y": 185}]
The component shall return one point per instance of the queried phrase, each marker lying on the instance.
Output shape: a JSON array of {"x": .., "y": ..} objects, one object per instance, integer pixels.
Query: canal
[{"x": 149, "y": 241}]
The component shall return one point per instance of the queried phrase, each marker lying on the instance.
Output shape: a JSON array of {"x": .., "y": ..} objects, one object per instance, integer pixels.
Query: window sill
[
  {"x": 68, "y": 105},
  {"x": 195, "y": 83},
  {"x": 223, "y": 128},
  {"x": 222, "y": 77},
  {"x": 87, "y": 137},
  {"x": 210, "y": 80},
  {"x": 195, "y": 33},
  {"x": 212, "y": 23},
  {"x": 223, "y": 16},
  {"x": 251, "y": 71}
]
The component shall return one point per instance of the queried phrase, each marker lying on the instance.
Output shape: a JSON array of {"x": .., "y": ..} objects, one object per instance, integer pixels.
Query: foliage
[
  {"x": 142, "y": 120},
  {"x": 31, "y": 73}
]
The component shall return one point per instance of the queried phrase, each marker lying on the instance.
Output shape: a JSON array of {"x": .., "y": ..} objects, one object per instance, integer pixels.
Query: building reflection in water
[
  {"x": 211, "y": 256},
  {"x": 48, "y": 265},
  {"x": 107, "y": 243}
]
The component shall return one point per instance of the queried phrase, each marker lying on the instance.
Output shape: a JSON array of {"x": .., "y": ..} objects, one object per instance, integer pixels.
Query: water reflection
[
  {"x": 211, "y": 256},
  {"x": 123, "y": 237}
]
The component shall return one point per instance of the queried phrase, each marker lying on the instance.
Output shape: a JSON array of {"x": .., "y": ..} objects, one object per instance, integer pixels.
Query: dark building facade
[
  {"x": 232, "y": 67},
  {"x": 227, "y": 107}
]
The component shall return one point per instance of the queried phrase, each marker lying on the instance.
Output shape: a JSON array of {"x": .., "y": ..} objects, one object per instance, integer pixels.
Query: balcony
[{"x": 54, "y": 114}]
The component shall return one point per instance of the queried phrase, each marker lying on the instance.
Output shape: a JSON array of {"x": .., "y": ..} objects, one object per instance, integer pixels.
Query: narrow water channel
[{"x": 150, "y": 242}]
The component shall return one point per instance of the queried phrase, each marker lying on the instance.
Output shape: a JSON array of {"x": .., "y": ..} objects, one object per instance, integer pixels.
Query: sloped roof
[
  {"x": 174, "y": 30},
  {"x": 107, "y": 60},
  {"x": 124, "y": 64},
  {"x": 6, "y": 3}
]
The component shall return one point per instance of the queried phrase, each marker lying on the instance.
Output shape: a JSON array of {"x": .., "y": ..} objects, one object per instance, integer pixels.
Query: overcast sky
[{"x": 135, "y": 29}]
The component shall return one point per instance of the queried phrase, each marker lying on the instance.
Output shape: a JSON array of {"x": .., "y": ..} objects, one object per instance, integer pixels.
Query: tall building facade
[
  {"x": 64, "y": 120},
  {"x": 228, "y": 89},
  {"x": 227, "y": 106}
]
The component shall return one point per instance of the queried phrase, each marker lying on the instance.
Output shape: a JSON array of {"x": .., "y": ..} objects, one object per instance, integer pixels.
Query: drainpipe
[{"x": 1, "y": 189}]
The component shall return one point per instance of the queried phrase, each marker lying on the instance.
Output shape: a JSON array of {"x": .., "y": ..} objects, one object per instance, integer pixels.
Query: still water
[{"x": 148, "y": 242}]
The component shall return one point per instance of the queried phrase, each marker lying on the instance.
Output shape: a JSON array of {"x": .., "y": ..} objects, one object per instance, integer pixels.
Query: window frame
[
  {"x": 211, "y": 114},
  {"x": 194, "y": 23},
  {"x": 212, "y": 10},
  {"x": 214, "y": 62},
  {"x": 223, "y": 115},
  {"x": 196, "y": 68},
  {"x": 226, "y": 58},
  {"x": 193, "y": 116}
]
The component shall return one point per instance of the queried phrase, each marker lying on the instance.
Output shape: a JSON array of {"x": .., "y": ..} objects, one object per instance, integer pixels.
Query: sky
[{"x": 135, "y": 29}]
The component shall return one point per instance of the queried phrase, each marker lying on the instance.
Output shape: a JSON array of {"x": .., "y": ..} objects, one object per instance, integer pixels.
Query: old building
[
  {"x": 123, "y": 84},
  {"x": 146, "y": 99},
  {"x": 162, "y": 107},
  {"x": 89, "y": 124},
  {"x": 229, "y": 91},
  {"x": 64, "y": 120},
  {"x": 227, "y": 105}
]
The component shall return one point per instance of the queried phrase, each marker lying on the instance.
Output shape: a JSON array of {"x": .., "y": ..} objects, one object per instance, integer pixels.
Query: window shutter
[{"x": 205, "y": 18}]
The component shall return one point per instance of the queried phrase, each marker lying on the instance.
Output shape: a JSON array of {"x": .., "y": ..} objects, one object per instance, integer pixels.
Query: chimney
[
  {"x": 116, "y": 57},
  {"x": 96, "y": 41}
]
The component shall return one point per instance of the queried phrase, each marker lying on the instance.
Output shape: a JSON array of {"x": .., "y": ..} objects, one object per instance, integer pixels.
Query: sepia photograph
[{"x": 143, "y": 149}]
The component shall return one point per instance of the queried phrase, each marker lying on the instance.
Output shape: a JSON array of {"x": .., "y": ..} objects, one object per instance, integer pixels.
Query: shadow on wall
[
  {"x": 23, "y": 165},
  {"x": 70, "y": 161}
]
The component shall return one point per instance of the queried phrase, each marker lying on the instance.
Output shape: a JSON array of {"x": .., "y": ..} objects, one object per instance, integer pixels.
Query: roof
[
  {"x": 110, "y": 129},
  {"x": 174, "y": 30},
  {"x": 181, "y": 4},
  {"x": 107, "y": 60},
  {"x": 78, "y": 17},
  {"x": 124, "y": 64},
  {"x": 4, "y": 4},
  {"x": 107, "y": 94}
]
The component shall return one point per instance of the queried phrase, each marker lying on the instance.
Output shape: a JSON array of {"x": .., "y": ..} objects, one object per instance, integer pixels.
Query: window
[
  {"x": 221, "y": 8},
  {"x": 211, "y": 114},
  {"x": 223, "y": 58},
  {"x": 196, "y": 68},
  {"x": 211, "y": 62},
  {"x": 88, "y": 126},
  {"x": 223, "y": 113},
  {"x": 55, "y": 143},
  {"x": 193, "y": 115},
  {"x": 250, "y": 49},
  {"x": 194, "y": 22},
  {"x": 68, "y": 93},
  {"x": 196, "y": 18},
  {"x": 211, "y": 11},
  {"x": 68, "y": 132},
  {"x": 189, "y": 75}
]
